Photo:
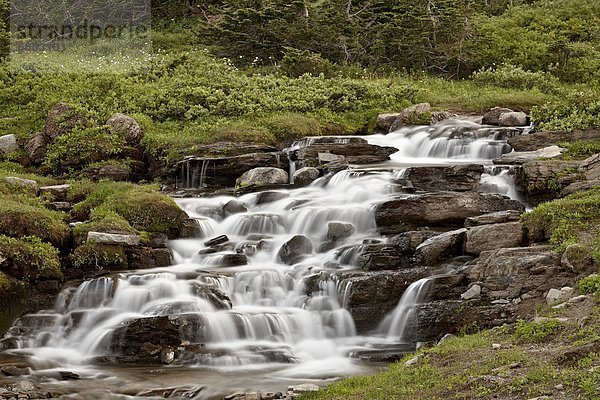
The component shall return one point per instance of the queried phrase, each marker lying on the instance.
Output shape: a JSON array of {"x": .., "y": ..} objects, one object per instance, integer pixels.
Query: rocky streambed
[{"x": 332, "y": 257}]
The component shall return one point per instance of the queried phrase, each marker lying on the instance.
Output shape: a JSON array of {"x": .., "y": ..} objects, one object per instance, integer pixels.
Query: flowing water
[{"x": 280, "y": 329}]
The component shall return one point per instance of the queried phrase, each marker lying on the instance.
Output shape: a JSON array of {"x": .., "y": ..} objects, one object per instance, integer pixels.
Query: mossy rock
[
  {"x": 150, "y": 212},
  {"x": 91, "y": 256},
  {"x": 29, "y": 258},
  {"x": 105, "y": 221},
  {"x": 20, "y": 217}
]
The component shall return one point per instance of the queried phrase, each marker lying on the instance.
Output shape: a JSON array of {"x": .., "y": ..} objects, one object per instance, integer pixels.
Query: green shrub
[
  {"x": 580, "y": 149},
  {"x": 535, "y": 332},
  {"x": 589, "y": 285},
  {"x": 578, "y": 110},
  {"x": 30, "y": 258},
  {"x": 573, "y": 219},
  {"x": 510, "y": 76},
  {"x": 82, "y": 147}
]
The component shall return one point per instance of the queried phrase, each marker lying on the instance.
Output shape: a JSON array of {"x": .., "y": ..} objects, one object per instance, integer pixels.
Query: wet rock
[
  {"x": 305, "y": 176},
  {"x": 234, "y": 207},
  {"x": 378, "y": 257},
  {"x": 577, "y": 258},
  {"x": 440, "y": 247},
  {"x": 216, "y": 241},
  {"x": 232, "y": 260},
  {"x": 263, "y": 176},
  {"x": 295, "y": 249},
  {"x": 339, "y": 231},
  {"x": 224, "y": 171},
  {"x": 512, "y": 119},
  {"x": 213, "y": 294},
  {"x": 112, "y": 238},
  {"x": 158, "y": 240},
  {"x": 510, "y": 273},
  {"x": 371, "y": 296},
  {"x": 441, "y": 208},
  {"x": 411, "y": 116},
  {"x": 36, "y": 147},
  {"x": 492, "y": 237},
  {"x": 68, "y": 376},
  {"x": 473, "y": 293},
  {"x": 354, "y": 152},
  {"x": 27, "y": 184},
  {"x": 522, "y": 157},
  {"x": 146, "y": 338},
  {"x": 332, "y": 163},
  {"x": 559, "y": 295},
  {"x": 385, "y": 121},
  {"x": 539, "y": 140},
  {"x": 493, "y": 218},
  {"x": 190, "y": 228},
  {"x": 62, "y": 119},
  {"x": 121, "y": 124},
  {"x": 8, "y": 144},
  {"x": 270, "y": 197},
  {"x": 458, "y": 178},
  {"x": 56, "y": 193},
  {"x": 406, "y": 243},
  {"x": 492, "y": 117},
  {"x": 13, "y": 370}
]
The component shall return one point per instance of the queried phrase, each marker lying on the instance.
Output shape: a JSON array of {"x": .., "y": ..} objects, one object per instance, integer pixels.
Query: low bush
[
  {"x": 30, "y": 258},
  {"x": 534, "y": 332},
  {"x": 99, "y": 256},
  {"x": 510, "y": 76}
]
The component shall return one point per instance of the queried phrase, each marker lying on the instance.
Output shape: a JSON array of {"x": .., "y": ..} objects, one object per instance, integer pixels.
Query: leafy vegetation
[
  {"x": 30, "y": 258},
  {"x": 574, "y": 219},
  {"x": 590, "y": 284},
  {"x": 532, "y": 332}
]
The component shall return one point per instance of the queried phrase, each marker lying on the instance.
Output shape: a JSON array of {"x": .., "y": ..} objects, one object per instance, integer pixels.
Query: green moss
[
  {"x": 580, "y": 150},
  {"x": 4, "y": 282},
  {"x": 30, "y": 258},
  {"x": 99, "y": 256},
  {"x": 116, "y": 204},
  {"x": 21, "y": 216}
]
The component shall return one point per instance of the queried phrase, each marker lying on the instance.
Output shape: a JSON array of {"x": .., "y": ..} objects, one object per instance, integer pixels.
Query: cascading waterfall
[{"x": 276, "y": 317}]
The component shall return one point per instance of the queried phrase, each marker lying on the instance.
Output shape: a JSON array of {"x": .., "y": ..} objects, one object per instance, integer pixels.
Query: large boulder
[
  {"x": 369, "y": 297},
  {"x": 113, "y": 171},
  {"x": 523, "y": 272},
  {"x": 512, "y": 119},
  {"x": 62, "y": 119},
  {"x": 36, "y": 147},
  {"x": 339, "y": 231},
  {"x": 492, "y": 237},
  {"x": 441, "y": 208},
  {"x": 145, "y": 338},
  {"x": 579, "y": 186},
  {"x": 295, "y": 249},
  {"x": 354, "y": 150},
  {"x": 213, "y": 294},
  {"x": 544, "y": 180},
  {"x": 458, "y": 178},
  {"x": 305, "y": 176},
  {"x": 8, "y": 144},
  {"x": 492, "y": 117},
  {"x": 440, "y": 247},
  {"x": 126, "y": 126},
  {"x": 263, "y": 176},
  {"x": 419, "y": 114},
  {"x": 539, "y": 140}
]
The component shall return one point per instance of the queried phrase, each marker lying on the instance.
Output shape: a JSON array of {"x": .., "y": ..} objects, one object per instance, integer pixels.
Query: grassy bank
[{"x": 551, "y": 357}]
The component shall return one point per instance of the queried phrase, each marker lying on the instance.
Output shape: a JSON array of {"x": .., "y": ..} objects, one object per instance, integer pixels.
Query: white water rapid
[{"x": 289, "y": 321}]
